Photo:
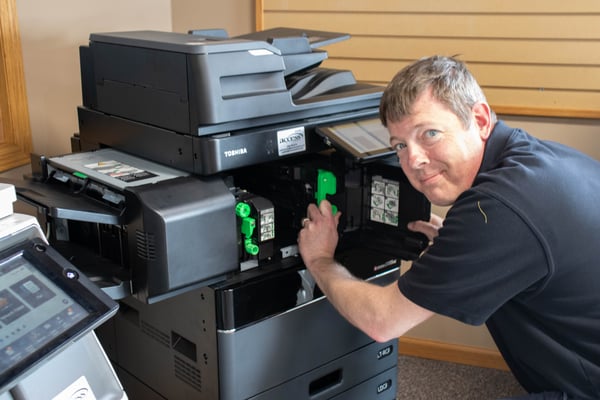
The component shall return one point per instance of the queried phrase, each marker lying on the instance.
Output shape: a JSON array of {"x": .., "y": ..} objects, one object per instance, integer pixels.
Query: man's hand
[
  {"x": 382, "y": 312},
  {"x": 429, "y": 229},
  {"x": 318, "y": 237}
]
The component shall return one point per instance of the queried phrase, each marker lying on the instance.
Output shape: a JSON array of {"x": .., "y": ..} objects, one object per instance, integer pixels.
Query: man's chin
[{"x": 439, "y": 200}]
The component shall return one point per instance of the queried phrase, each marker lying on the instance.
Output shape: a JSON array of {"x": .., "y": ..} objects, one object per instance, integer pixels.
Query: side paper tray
[
  {"x": 55, "y": 202},
  {"x": 163, "y": 240},
  {"x": 53, "y": 207}
]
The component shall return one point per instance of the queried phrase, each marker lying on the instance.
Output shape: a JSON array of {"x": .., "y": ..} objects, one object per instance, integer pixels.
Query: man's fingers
[{"x": 425, "y": 228}]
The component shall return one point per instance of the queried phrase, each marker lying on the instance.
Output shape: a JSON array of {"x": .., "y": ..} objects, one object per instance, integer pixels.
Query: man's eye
[
  {"x": 399, "y": 146},
  {"x": 431, "y": 133}
]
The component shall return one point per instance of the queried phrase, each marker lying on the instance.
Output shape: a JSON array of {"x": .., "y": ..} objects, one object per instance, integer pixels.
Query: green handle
[
  {"x": 247, "y": 227},
  {"x": 251, "y": 247},
  {"x": 326, "y": 184}
]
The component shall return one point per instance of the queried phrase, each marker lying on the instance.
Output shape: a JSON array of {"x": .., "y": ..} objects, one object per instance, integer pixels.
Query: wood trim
[
  {"x": 547, "y": 66},
  {"x": 259, "y": 8},
  {"x": 546, "y": 112},
  {"x": 438, "y": 24},
  {"x": 456, "y": 353},
  {"x": 498, "y": 6},
  {"x": 16, "y": 144}
]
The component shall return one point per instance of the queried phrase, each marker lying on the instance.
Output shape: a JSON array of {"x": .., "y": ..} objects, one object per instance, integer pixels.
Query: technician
[{"x": 519, "y": 249}]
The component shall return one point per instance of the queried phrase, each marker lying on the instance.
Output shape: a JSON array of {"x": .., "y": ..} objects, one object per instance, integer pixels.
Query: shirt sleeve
[{"x": 484, "y": 256}]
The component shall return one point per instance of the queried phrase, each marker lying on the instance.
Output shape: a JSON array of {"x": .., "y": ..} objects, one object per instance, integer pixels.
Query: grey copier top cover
[{"x": 198, "y": 84}]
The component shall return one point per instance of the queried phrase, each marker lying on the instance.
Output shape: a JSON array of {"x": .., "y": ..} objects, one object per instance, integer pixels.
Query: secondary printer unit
[
  {"x": 48, "y": 311},
  {"x": 220, "y": 144}
]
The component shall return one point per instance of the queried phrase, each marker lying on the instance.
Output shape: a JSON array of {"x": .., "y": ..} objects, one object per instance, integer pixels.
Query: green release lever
[
  {"x": 248, "y": 224},
  {"x": 251, "y": 247},
  {"x": 242, "y": 209},
  {"x": 326, "y": 184}
]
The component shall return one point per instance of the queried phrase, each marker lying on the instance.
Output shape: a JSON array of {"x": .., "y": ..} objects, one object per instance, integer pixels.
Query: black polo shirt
[{"x": 520, "y": 251}]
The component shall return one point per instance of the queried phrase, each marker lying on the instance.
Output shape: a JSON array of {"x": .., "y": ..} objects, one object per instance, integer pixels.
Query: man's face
[{"x": 438, "y": 155}]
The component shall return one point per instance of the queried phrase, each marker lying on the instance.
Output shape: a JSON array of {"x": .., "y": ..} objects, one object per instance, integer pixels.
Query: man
[{"x": 517, "y": 249}]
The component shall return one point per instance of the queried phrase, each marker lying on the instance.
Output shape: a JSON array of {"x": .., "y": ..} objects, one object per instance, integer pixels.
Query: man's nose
[{"x": 416, "y": 157}]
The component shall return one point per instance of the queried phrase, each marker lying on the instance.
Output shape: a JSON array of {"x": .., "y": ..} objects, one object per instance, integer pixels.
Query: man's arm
[{"x": 383, "y": 313}]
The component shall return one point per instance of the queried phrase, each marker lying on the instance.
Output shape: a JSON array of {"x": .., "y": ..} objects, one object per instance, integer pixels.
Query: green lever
[
  {"x": 247, "y": 227},
  {"x": 326, "y": 184},
  {"x": 250, "y": 246},
  {"x": 242, "y": 209}
]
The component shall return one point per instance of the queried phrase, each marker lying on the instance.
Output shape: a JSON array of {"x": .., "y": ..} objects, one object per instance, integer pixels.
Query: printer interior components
[
  {"x": 376, "y": 200},
  {"x": 256, "y": 222},
  {"x": 46, "y": 304},
  {"x": 245, "y": 219}
]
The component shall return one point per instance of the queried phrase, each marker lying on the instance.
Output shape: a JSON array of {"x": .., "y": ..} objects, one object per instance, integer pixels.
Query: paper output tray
[{"x": 362, "y": 139}]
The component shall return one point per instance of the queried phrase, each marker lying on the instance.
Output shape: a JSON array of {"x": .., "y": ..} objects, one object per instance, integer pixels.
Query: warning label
[{"x": 118, "y": 170}]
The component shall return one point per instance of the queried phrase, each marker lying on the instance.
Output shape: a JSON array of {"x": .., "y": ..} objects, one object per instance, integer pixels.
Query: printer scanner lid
[{"x": 181, "y": 42}]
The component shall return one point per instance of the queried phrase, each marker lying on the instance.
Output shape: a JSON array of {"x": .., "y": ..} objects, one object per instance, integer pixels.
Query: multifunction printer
[{"x": 196, "y": 158}]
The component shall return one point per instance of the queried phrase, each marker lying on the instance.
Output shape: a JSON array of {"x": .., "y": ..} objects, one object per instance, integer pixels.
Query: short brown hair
[{"x": 449, "y": 79}]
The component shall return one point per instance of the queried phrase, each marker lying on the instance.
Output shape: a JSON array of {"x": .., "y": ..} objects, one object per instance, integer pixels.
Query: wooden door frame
[{"x": 15, "y": 130}]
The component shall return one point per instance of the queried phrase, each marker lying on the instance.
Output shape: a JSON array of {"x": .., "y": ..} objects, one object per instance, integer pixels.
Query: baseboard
[{"x": 456, "y": 353}]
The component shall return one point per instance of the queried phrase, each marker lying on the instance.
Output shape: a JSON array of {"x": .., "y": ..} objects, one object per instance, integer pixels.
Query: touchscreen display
[{"x": 33, "y": 311}]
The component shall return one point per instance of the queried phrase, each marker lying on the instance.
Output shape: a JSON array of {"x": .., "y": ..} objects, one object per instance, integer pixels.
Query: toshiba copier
[{"x": 196, "y": 157}]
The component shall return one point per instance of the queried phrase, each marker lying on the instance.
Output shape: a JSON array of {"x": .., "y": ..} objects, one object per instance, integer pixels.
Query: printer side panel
[
  {"x": 184, "y": 234},
  {"x": 141, "y": 84}
]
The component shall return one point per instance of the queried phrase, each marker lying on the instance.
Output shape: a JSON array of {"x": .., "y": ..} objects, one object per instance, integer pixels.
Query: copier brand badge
[
  {"x": 235, "y": 152},
  {"x": 291, "y": 141}
]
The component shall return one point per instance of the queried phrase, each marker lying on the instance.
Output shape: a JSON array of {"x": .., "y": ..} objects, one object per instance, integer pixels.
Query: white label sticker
[
  {"x": 260, "y": 52},
  {"x": 291, "y": 141},
  {"x": 78, "y": 390},
  {"x": 385, "y": 200}
]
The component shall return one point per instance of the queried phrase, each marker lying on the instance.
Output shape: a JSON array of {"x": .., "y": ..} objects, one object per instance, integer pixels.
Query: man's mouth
[{"x": 425, "y": 180}]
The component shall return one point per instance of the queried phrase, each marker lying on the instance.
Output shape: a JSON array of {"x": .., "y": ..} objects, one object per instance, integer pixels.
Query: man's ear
[{"x": 483, "y": 118}]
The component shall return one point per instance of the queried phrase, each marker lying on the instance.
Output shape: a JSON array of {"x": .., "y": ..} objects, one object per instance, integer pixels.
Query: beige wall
[
  {"x": 52, "y": 31},
  {"x": 580, "y": 134},
  {"x": 235, "y": 16}
]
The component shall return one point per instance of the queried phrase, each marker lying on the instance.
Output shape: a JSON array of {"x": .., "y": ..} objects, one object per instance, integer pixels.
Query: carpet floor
[{"x": 422, "y": 379}]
